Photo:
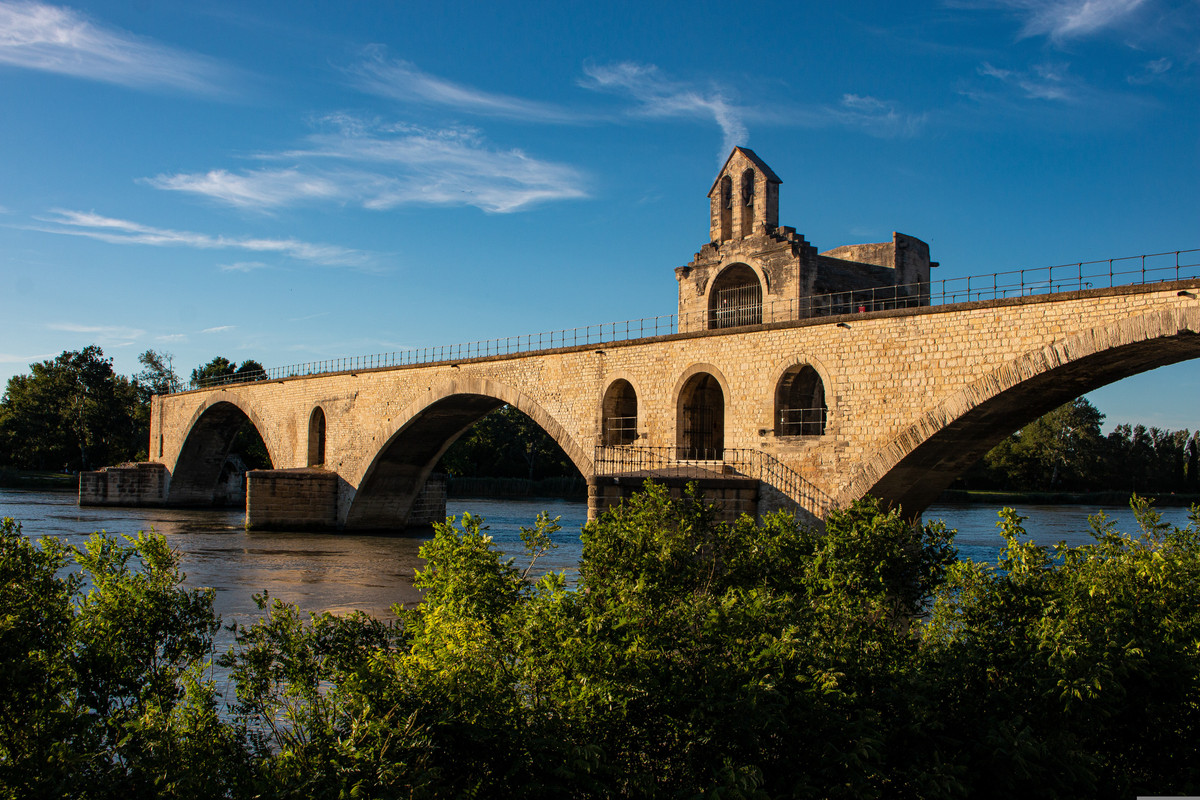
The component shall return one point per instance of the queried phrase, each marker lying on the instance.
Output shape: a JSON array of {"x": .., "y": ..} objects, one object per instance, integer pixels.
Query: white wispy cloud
[
  {"x": 243, "y": 266},
  {"x": 12, "y": 358},
  {"x": 381, "y": 166},
  {"x": 108, "y": 335},
  {"x": 56, "y": 39},
  {"x": 1070, "y": 19},
  {"x": 660, "y": 97},
  {"x": 119, "y": 231},
  {"x": 1041, "y": 82},
  {"x": 171, "y": 337},
  {"x": 1150, "y": 71},
  {"x": 401, "y": 80},
  {"x": 219, "y": 329},
  {"x": 876, "y": 117}
]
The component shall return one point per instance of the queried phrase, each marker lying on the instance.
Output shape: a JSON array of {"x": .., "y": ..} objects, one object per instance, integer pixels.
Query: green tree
[
  {"x": 222, "y": 370},
  {"x": 158, "y": 373},
  {"x": 105, "y": 693},
  {"x": 212, "y": 372},
  {"x": 506, "y": 444},
  {"x": 72, "y": 412},
  {"x": 1060, "y": 450},
  {"x": 1072, "y": 671}
]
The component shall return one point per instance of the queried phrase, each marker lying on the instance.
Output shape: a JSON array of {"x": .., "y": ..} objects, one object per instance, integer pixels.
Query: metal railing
[
  {"x": 690, "y": 464},
  {"x": 620, "y": 430},
  {"x": 802, "y": 421},
  {"x": 1129, "y": 271}
]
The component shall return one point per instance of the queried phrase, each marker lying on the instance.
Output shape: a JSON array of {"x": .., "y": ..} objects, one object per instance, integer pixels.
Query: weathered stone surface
[
  {"x": 142, "y": 484},
  {"x": 913, "y": 395}
]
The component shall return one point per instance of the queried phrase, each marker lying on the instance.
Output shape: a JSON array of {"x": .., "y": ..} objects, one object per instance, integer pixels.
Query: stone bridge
[
  {"x": 793, "y": 378},
  {"x": 905, "y": 400}
]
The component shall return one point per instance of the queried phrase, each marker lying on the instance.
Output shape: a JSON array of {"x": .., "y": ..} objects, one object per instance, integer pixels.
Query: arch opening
[
  {"x": 748, "y": 179},
  {"x": 465, "y": 437},
  {"x": 726, "y": 209},
  {"x": 316, "y": 437},
  {"x": 619, "y": 414},
  {"x": 927, "y": 457},
  {"x": 736, "y": 298},
  {"x": 221, "y": 447},
  {"x": 800, "y": 408},
  {"x": 700, "y": 422}
]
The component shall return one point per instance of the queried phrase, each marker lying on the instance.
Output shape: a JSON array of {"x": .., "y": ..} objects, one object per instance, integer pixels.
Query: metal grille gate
[{"x": 738, "y": 305}]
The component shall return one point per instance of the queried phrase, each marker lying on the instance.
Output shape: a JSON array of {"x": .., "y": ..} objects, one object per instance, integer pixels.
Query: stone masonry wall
[
  {"x": 882, "y": 373},
  {"x": 142, "y": 484}
]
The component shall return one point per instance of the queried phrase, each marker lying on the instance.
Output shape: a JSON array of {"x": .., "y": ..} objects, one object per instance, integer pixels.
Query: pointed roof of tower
[{"x": 750, "y": 155}]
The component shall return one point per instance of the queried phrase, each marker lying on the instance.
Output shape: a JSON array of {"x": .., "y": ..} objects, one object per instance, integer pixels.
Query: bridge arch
[
  {"x": 205, "y": 447},
  {"x": 926, "y": 457},
  {"x": 414, "y": 440}
]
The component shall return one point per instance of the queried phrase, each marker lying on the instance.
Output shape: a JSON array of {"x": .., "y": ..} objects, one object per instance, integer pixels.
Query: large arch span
[
  {"x": 926, "y": 457},
  {"x": 201, "y": 460},
  {"x": 418, "y": 437}
]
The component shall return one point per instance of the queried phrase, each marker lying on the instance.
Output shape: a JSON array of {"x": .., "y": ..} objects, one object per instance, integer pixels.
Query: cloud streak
[
  {"x": 659, "y": 97},
  {"x": 1072, "y": 19},
  {"x": 107, "y": 335},
  {"x": 401, "y": 80},
  {"x": 1041, "y": 82},
  {"x": 54, "y": 39},
  {"x": 381, "y": 167},
  {"x": 119, "y": 231}
]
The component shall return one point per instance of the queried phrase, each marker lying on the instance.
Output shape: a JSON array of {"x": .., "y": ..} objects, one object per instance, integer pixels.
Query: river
[{"x": 341, "y": 572}]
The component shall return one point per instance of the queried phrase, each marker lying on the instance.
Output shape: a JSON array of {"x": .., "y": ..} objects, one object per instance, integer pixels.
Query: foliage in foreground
[{"x": 692, "y": 659}]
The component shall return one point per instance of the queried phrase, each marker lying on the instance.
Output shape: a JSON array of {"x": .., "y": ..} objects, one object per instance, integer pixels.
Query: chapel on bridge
[{"x": 754, "y": 271}]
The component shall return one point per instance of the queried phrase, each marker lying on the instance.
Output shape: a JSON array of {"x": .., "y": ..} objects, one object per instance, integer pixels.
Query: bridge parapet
[{"x": 1148, "y": 269}]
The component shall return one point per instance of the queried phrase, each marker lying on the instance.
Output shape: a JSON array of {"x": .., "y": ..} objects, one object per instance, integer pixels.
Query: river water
[{"x": 342, "y": 572}]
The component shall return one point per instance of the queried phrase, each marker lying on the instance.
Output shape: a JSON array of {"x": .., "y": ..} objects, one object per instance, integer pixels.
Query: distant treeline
[
  {"x": 74, "y": 412},
  {"x": 1066, "y": 452}
]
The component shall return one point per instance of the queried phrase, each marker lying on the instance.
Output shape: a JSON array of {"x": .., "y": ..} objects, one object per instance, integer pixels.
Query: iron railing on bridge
[
  {"x": 691, "y": 464},
  {"x": 1128, "y": 271}
]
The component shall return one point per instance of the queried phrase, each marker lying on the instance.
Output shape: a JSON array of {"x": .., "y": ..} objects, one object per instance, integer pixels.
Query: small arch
[
  {"x": 619, "y": 413},
  {"x": 725, "y": 208},
  {"x": 736, "y": 298},
  {"x": 748, "y": 180},
  {"x": 700, "y": 419},
  {"x": 316, "y": 437},
  {"x": 800, "y": 407}
]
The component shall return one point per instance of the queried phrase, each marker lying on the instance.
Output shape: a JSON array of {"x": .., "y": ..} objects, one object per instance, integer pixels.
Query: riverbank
[
  {"x": 1008, "y": 498},
  {"x": 47, "y": 481}
]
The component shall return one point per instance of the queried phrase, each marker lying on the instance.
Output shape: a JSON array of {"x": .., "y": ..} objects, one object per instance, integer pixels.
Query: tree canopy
[
  {"x": 72, "y": 412},
  {"x": 1065, "y": 450}
]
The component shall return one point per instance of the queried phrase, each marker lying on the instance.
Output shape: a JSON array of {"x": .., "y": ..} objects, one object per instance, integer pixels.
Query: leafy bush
[{"x": 690, "y": 659}]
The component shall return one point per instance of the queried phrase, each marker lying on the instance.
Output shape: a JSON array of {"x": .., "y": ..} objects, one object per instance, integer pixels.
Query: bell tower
[
  {"x": 744, "y": 199},
  {"x": 754, "y": 271}
]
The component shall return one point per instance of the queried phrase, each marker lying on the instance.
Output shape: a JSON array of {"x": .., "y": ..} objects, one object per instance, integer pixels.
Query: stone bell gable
[{"x": 753, "y": 270}]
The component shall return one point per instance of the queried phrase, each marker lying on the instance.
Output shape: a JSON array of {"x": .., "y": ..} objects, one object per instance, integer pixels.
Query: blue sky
[{"x": 299, "y": 181}]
